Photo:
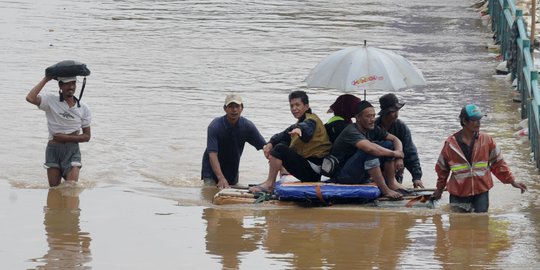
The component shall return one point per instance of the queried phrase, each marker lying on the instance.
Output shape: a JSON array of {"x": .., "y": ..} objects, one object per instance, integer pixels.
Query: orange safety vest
[{"x": 468, "y": 179}]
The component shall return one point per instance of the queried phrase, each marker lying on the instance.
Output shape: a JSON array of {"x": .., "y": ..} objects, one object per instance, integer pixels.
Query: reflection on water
[
  {"x": 309, "y": 238},
  {"x": 69, "y": 248},
  {"x": 207, "y": 193},
  {"x": 227, "y": 237},
  {"x": 467, "y": 240},
  {"x": 326, "y": 238},
  {"x": 342, "y": 240}
]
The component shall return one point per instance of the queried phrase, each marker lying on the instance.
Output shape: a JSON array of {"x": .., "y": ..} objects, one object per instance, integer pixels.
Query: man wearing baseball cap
[
  {"x": 66, "y": 116},
  {"x": 225, "y": 142},
  {"x": 466, "y": 162}
]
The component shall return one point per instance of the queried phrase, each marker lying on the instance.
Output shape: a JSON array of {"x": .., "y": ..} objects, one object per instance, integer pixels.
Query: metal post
[{"x": 533, "y": 24}]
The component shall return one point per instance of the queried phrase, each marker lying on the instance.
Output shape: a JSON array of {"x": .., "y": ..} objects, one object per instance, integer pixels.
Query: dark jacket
[
  {"x": 411, "y": 160},
  {"x": 307, "y": 127},
  {"x": 314, "y": 141},
  {"x": 334, "y": 127}
]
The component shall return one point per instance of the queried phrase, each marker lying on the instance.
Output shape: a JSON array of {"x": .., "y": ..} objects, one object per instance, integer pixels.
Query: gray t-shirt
[{"x": 345, "y": 145}]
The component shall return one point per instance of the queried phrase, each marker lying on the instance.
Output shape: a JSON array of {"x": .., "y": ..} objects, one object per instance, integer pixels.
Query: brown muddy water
[{"x": 160, "y": 72}]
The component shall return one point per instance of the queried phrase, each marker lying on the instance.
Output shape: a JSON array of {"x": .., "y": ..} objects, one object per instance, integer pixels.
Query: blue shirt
[{"x": 228, "y": 142}]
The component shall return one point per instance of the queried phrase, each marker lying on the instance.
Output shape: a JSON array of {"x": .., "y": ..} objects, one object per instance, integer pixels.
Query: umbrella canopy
[{"x": 365, "y": 68}]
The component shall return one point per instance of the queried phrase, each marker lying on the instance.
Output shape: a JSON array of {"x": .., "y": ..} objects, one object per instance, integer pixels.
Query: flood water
[{"x": 160, "y": 73}]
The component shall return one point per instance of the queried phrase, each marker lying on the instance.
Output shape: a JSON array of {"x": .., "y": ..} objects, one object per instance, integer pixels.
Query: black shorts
[{"x": 297, "y": 165}]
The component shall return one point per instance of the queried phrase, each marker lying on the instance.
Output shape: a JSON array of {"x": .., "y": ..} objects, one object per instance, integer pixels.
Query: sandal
[
  {"x": 405, "y": 192},
  {"x": 258, "y": 189}
]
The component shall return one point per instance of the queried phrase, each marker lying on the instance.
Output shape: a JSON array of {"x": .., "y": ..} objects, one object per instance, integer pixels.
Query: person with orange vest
[{"x": 466, "y": 162}]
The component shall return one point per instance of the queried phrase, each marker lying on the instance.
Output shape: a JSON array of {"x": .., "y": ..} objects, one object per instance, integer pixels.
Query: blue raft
[
  {"x": 325, "y": 192},
  {"x": 289, "y": 191}
]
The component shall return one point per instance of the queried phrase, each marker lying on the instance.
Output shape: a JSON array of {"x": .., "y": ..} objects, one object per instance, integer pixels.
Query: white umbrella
[{"x": 365, "y": 68}]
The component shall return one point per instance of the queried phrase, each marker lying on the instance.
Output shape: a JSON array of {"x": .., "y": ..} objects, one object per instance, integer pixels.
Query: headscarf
[{"x": 345, "y": 106}]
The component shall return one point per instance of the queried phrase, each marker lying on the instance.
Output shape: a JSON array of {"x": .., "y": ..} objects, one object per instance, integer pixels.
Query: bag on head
[{"x": 67, "y": 68}]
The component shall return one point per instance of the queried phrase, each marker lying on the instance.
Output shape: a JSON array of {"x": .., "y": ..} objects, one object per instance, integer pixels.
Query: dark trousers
[
  {"x": 472, "y": 204},
  {"x": 355, "y": 170},
  {"x": 295, "y": 164}
]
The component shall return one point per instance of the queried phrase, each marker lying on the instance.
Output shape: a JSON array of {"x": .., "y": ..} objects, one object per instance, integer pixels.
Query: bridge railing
[{"x": 510, "y": 29}]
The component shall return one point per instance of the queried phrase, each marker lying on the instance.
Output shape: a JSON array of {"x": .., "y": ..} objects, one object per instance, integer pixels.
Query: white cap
[
  {"x": 233, "y": 98},
  {"x": 67, "y": 79}
]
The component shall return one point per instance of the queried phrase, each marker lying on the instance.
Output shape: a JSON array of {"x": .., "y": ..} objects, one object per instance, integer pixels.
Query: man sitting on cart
[
  {"x": 300, "y": 148},
  {"x": 361, "y": 148}
]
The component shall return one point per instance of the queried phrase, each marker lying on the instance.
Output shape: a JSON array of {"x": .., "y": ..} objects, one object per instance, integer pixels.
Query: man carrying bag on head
[{"x": 68, "y": 122}]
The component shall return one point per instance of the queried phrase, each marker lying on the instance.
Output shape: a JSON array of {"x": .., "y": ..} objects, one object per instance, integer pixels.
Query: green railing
[{"x": 504, "y": 19}]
